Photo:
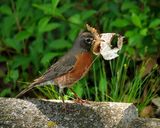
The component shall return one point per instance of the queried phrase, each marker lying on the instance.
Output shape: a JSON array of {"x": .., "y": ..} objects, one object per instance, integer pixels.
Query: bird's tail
[{"x": 26, "y": 90}]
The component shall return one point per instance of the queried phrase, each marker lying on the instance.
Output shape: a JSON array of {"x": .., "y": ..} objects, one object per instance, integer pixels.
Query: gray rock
[
  {"x": 145, "y": 123},
  {"x": 33, "y": 113},
  {"x": 156, "y": 101}
]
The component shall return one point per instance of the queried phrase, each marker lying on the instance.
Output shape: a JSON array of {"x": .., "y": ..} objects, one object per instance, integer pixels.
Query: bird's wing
[{"x": 61, "y": 67}]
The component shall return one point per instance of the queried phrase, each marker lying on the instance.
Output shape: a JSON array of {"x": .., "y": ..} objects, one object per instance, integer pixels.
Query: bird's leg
[
  {"x": 74, "y": 93},
  {"x": 78, "y": 99},
  {"x": 61, "y": 92}
]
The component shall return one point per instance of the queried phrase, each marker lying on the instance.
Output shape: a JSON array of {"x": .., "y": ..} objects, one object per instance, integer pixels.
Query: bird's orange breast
[{"x": 81, "y": 67}]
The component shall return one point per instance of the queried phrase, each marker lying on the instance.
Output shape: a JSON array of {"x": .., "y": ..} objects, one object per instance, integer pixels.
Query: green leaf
[
  {"x": 5, "y": 92},
  {"x": 65, "y": 8},
  {"x": 50, "y": 27},
  {"x": 20, "y": 61},
  {"x": 78, "y": 88},
  {"x": 45, "y": 26},
  {"x": 130, "y": 5},
  {"x": 135, "y": 40},
  {"x": 157, "y": 36},
  {"x": 136, "y": 20},
  {"x": 54, "y": 4},
  {"x": 37, "y": 45},
  {"x": 14, "y": 74},
  {"x": 144, "y": 31},
  {"x": 102, "y": 84},
  {"x": 59, "y": 44},
  {"x": 87, "y": 15},
  {"x": 130, "y": 33},
  {"x": 76, "y": 19},
  {"x": 43, "y": 22},
  {"x": 154, "y": 23},
  {"x": 22, "y": 35},
  {"x": 2, "y": 58},
  {"x": 48, "y": 57},
  {"x": 12, "y": 43},
  {"x": 5, "y": 10},
  {"x": 7, "y": 26},
  {"x": 120, "y": 23},
  {"x": 46, "y": 8}
]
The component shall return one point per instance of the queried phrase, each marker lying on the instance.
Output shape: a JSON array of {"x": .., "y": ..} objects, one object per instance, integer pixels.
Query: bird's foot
[
  {"x": 81, "y": 101},
  {"x": 64, "y": 107}
]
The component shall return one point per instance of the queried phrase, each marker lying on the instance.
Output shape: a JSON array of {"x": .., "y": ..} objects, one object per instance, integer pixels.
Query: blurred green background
[{"x": 34, "y": 34}]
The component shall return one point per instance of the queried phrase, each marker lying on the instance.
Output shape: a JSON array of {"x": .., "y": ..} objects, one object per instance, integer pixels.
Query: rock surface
[
  {"x": 145, "y": 123},
  {"x": 33, "y": 113}
]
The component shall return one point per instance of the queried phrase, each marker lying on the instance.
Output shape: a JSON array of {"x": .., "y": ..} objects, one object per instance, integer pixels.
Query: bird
[{"x": 70, "y": 68}]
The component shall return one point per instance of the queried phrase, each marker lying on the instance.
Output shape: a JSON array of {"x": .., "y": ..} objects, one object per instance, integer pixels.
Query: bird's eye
[{"x": 88, "y": 40}]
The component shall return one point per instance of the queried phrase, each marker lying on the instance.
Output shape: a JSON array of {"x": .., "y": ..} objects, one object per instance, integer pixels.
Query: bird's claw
[{"x": 81, "y": 101}]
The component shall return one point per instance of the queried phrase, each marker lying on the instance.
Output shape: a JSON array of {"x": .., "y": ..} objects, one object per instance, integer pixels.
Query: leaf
[
  {"x": 144, "y": 31},
  {"x": 20, "y": 4},
  {"x": 51, "y": 26},
  {"x": 44, "y": 26},
  {"x": 130, "y": 5},
  {"x": 12, "y": 43},
  {"x": 43, "y": 22},
  {"x": 157, "y": 36},
  {"x": 34, "y": 58},
  {"x": 5, "y": 92},
  {"x": 135, "y": 40},
  {"x": 22, "y": 61},
  {"x": 102, "y": 84},
  {"x": 5, "y": 10},
  {"x": 76, "y": 19},
  {"x": 14, "y": 74},
  {"x": 130, "y": 33},
  {"x": 48, "y": 57},
  {"x": 54, "y": 4},
  {"x": 59, "y": 44},
  {"x": 46, "y": 8},
  {"x": 136, "y": 20},
  {"x": 65, "y": 8},
  {"x": 78, "y": 88},
  {"x": 154, "y": 23},
  {"x": 2, "y": 58},
  {"x": 120, "y": 23},
  {"x": 22, "y": 35},
  {"x": 7, "y": 26},
  {"x": 87, "y": 15}
]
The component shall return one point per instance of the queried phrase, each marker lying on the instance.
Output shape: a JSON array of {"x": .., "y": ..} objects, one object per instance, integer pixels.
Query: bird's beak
[
  {"x": 93, "y": 42},
  {"x": 95, "y": 47}
]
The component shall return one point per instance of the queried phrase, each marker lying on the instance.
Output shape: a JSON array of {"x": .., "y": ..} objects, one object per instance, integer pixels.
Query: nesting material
[
  {"x": 103, "y": 43},
  {"x": 97, "y": 40}
]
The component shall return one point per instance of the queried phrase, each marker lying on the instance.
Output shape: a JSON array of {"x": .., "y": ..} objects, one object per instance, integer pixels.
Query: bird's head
[{"x": 84, "y": 41}]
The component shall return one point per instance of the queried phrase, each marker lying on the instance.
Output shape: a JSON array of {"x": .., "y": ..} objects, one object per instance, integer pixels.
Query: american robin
[{"x": 70, "y": 68}]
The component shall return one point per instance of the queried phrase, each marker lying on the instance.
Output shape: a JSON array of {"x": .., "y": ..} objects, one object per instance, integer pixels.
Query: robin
[{"x": 70, "y": 68}]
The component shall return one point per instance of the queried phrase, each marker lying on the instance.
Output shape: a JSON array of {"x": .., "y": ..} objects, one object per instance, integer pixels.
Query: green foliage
[{"x": 34, "y": 34}]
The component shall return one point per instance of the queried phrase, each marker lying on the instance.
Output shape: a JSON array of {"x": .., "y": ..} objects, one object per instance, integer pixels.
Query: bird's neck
[{"x": 78, "y": 50}]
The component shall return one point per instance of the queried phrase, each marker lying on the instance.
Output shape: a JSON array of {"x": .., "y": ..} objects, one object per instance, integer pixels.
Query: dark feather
[{"x": 61, "y": 67}]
